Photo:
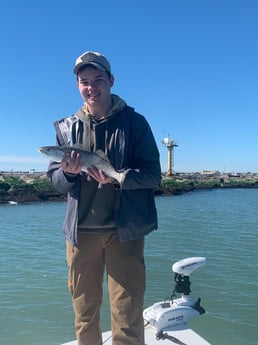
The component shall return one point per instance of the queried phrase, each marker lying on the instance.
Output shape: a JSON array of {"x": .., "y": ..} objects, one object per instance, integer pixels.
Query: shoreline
[{"x": 18, "y": 188}]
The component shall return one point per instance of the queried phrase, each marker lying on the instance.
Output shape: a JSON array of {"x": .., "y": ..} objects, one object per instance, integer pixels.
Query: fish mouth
[{"x": 43, "y": 150}]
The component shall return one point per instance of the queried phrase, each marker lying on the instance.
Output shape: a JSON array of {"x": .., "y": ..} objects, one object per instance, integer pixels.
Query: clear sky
[{"x": 189, "y": 66}]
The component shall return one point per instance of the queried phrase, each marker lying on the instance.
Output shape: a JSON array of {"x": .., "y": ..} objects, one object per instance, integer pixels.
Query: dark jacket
[{"x": 132, "y": 149}]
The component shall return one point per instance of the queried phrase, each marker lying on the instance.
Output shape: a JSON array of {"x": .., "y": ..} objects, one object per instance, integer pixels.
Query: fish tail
[{"x": 120, "y": 177}]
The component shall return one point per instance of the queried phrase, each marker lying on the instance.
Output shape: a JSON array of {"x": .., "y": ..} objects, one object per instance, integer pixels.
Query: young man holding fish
[{"x": 106, "y": 219}]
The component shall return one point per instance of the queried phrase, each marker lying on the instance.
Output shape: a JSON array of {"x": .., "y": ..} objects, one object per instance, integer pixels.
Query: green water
[{"x": 35, "y": 306}]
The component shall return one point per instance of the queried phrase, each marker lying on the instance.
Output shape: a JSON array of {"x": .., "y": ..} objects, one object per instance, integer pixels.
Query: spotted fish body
[{"x": 97, "y": 159}]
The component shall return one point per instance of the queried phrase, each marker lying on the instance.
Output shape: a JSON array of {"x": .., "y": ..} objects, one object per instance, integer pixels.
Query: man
[{"x": 106, "y": 222}]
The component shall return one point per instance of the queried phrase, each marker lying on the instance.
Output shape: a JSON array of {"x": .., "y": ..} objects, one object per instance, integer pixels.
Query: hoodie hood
[{"x": 118, "y": 104}]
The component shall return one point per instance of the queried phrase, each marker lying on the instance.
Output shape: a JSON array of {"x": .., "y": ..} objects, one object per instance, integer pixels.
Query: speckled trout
[{"x": 98, "y": 159}]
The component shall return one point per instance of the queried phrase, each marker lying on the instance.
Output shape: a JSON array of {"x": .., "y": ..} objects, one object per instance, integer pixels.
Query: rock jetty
[{"x": 25, "y": 187}]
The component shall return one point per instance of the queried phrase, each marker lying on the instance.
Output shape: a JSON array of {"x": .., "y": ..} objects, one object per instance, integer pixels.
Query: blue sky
[{"x": 189, "y": 66}]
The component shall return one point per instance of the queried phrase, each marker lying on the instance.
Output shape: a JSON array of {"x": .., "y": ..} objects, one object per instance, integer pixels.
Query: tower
[{"x": 170, "y": 144}]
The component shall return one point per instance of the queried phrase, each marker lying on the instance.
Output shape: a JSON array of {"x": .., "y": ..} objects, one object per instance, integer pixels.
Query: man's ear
[{"x": 112, "y": 80}]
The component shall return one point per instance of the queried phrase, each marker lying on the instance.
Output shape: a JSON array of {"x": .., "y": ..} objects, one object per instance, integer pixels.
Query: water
[{"x": 35, "y": 306}]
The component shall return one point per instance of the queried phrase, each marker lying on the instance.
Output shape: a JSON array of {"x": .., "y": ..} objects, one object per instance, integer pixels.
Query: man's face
[{"x": 94, "y": 86}]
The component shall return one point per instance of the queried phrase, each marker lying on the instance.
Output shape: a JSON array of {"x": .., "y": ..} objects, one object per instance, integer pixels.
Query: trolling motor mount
[
  {"x": 182, "y": 284},
  {"x": 167, "y": 314}
]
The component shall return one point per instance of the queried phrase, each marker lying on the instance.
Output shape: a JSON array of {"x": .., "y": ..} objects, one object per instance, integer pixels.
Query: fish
[{"x": 98, "y": 159}]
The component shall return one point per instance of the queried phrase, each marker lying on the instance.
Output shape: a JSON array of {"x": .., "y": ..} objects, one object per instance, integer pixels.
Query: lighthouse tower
[{"x": 170, "y": 144}]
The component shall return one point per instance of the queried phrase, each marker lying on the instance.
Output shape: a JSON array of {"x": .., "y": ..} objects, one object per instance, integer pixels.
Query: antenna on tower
[{"x": 170, "y": 144}]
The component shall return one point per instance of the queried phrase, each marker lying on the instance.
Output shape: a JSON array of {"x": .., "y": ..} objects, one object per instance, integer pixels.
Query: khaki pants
[{"x": 124, "y": 264}]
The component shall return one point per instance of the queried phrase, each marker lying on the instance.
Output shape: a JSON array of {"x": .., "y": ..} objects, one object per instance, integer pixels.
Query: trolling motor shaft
[{"x": 182, "y": 284}]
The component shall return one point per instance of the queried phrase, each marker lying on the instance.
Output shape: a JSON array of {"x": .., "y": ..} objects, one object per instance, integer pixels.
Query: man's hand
[
  {"x": 71, "y": 163},
  {"x": 99, "y": 176}
]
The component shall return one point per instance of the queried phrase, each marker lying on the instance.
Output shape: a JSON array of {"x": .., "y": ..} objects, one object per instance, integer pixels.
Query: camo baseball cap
[{"x": 92, "y": 58}]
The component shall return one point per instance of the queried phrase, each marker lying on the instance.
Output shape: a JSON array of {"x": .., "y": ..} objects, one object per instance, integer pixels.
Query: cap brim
[{"x": 81, "y": 64}]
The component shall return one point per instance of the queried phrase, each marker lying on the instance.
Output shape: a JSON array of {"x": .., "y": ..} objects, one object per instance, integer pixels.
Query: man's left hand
[{"x": 99, "y": 175}]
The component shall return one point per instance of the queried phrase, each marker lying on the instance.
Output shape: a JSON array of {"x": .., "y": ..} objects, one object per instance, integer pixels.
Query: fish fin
[
  {"x": 102, "y": 155},
  {"x": 78, "y": 147}
]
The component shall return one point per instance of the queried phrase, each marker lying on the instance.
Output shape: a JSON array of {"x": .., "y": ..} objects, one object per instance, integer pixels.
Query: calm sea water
[{"x": 222, "y": 225}]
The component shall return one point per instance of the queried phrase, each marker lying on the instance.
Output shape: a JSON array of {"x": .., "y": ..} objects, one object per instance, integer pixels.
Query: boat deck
[{"x": 181, "y": 335}]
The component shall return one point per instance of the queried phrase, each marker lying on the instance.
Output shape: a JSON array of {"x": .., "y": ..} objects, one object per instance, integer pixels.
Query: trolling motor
[{"x": 166, "y": 314}]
